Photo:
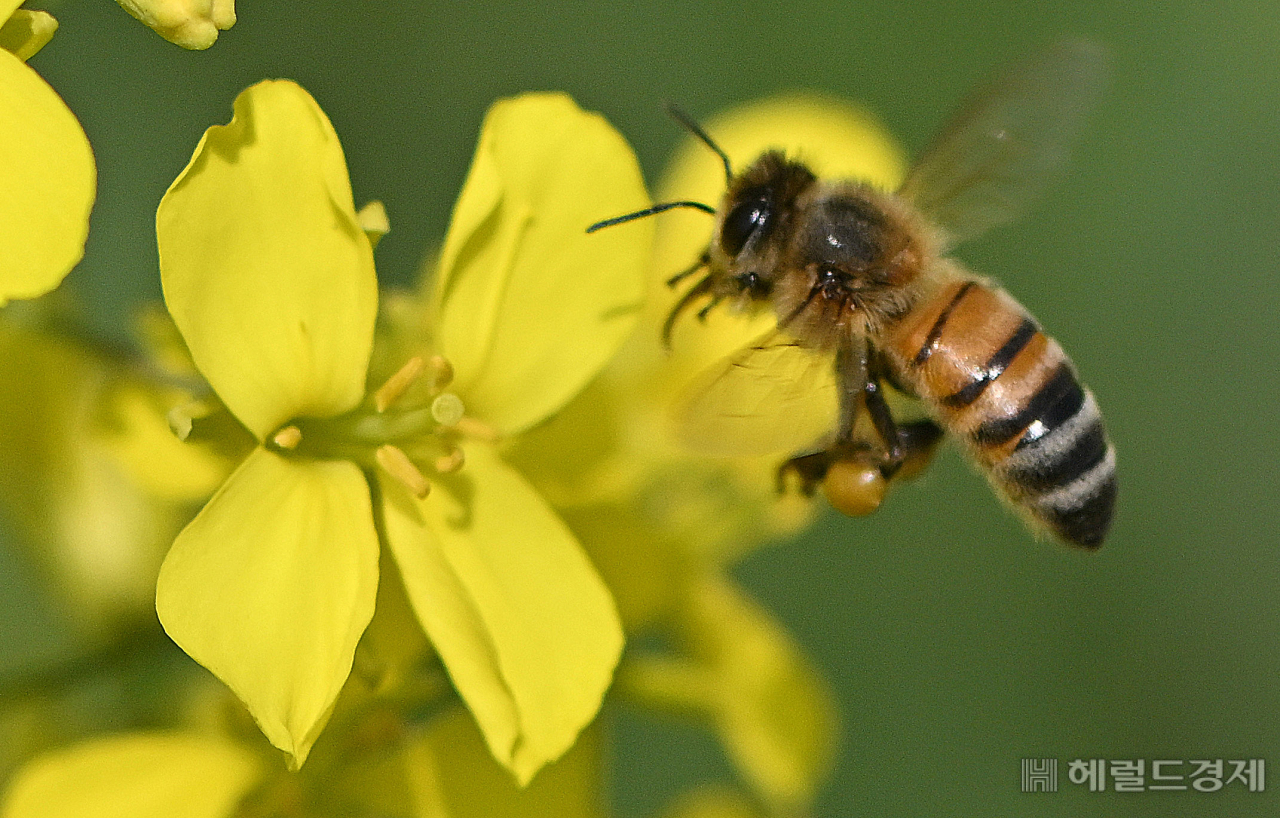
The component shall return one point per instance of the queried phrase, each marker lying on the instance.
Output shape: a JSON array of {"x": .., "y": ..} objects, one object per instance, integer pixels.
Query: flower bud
[{"x": 192, "y": 24}]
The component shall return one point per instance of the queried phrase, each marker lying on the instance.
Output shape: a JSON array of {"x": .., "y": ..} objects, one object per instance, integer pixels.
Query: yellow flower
[
  {"x": 269, "y": 276},
  {"x": 47, "y": 176},
  {"x": 191, "y": 24}
]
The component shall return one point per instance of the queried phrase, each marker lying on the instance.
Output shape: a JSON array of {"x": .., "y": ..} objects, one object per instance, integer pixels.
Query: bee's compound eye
[{"x": 742, "y": 222}]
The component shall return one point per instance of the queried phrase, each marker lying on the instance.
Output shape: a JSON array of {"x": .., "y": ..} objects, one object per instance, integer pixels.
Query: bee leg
[
  {"x": 908, "y": 447},
  {"x": 886, "y": 427},
  {"x": 918, "y": 439},
  {"x": 809, "y": 469},
  {"x": 703, "y": 287},
  {"x": 703, "y": 261},
  {"x": 849, "y": 474},
  {"x": 854, "y": 474}
]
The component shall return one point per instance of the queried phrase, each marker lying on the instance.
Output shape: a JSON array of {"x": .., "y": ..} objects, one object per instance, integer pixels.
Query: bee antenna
[
  {"x": 694, "y": 128},
  {"x": 649, "y": 211}
]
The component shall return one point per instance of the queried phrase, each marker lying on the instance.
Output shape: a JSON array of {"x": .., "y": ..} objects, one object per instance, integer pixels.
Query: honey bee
[{"x": 862, "y": 282}]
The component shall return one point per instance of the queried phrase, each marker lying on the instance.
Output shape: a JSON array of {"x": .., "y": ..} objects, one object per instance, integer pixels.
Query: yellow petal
[
  {"x": 451, "y": 774},
  {"x": 640, "y": 561},
  {"x": 713, "y": 801},
  {"x": 524, "y": 624},
  {"x": 271, "y": 585},
  {"x": 774, "y": 715},
  {"x": 47, "y": 184},
  {"x": 26, "y": 32},
  {"x": 530, "y": 306},
  {"x": 774, "y": 712},
  {"x": 266, "y": 268},
  {"x": 139, "y": 775},
  {"x": 191, "y": 24}
]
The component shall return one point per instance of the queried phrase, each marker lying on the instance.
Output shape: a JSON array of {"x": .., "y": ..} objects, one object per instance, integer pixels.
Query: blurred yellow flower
[
  {"x": 192, "y": 24},
  {"x": 739, "y": 668},
  {"x": 90, "y": 476},
  {"x": 47, "y": 175},
  {"x": 140, "y": 775},
  {"x": 440, "y": 769},
  {"x": 268, "y": 273}
]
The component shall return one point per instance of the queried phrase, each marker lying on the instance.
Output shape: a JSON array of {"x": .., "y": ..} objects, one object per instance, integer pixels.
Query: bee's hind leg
[
  {"x": 854, "y": 474},
  {"x": 919, "y": 440},
  {"x": 849, "y": 473},
  {"x": 809, "y": 469},
  {"x": 909, "y": 446}
]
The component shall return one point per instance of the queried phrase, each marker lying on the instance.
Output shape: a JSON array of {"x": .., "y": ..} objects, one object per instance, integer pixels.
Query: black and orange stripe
[{"x": 994, "y": 379}]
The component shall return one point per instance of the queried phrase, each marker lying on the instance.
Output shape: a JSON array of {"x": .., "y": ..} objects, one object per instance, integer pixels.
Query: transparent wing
[
  {"x": 1005, "y": 142},
  {"x": 773, "y": 396}
]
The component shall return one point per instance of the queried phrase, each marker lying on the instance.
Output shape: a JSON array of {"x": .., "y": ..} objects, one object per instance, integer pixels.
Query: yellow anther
[
  {"x": 180, "y": 422},
  {"x": 374, "y": 222},
  {"x": 287, "y": 438},
  {"x": 441, "y": 372},
  {"x": 182, "y": 418},
  {"x": 396, "y": 385},
  {"x": 476, "y": 429},
  {"x": 397, "y": 464},
  {"x": 451, "y": 462}
]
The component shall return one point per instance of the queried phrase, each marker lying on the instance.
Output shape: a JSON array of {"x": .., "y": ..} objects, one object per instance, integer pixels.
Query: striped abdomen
[{"x": 993, "y": 379}]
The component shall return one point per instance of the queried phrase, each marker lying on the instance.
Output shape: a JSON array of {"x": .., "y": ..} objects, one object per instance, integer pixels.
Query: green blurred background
[{"x": 957, "y": 644}]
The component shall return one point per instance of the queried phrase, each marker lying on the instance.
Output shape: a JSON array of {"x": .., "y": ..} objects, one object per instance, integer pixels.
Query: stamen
[
  {"x": 180, "y": 422},
  {"x": 447, "y": 409},
  {"x": 396, "y": 385},
  {"x": 287, "y": 438},
  {"x": 441, "y": 372},
  {"x": 476, "y": 429},
  {"x": 451, "y": 462},
  {"x": 397, "y": 464},
  {"x": 374, "y": 222},
  {"x": 182, "y": 418}
]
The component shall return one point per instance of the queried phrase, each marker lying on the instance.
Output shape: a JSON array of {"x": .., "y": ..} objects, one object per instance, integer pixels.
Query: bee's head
[{"x": 757, "y": 211}]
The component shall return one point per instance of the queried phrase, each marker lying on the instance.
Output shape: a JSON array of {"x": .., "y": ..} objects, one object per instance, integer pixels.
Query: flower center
[{"x": 410, "y": 427}]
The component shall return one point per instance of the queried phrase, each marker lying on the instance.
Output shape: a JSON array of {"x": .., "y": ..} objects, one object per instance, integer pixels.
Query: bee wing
[
  {"x": 772, "y": 396},
  {"x": 1005, "y": 142}
]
